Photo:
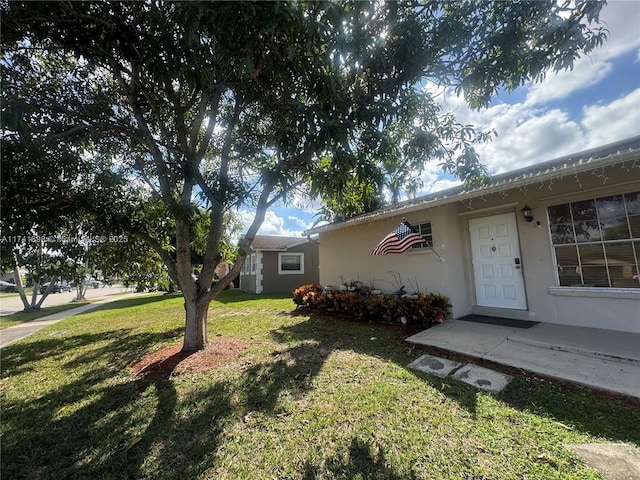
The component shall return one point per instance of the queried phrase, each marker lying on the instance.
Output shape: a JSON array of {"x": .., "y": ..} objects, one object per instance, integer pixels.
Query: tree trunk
[
  {"x": 195, "y": 333},
  {"x": 18, "y": 281}
]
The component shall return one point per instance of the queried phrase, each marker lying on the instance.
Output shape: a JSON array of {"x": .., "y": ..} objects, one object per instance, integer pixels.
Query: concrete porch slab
[
  {"x": 615, "y": 461},
  {"x": 596, "y": 358},
  {"x": 619, "y": 377},
  {"x": 482, "y": 378},
  {"x": 440, "y": 367},
  {"x": 596, "y": 342},
  {"x": 476, "y": 339}
]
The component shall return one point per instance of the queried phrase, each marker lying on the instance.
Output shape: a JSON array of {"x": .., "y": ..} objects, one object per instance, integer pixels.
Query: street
[{"x": 12, "y": 304}]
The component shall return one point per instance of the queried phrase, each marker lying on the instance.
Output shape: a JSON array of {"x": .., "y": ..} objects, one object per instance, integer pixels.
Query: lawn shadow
[
  {"x": 123, "y": 348},
  {"x": 363, "y": 460},
  {"x": 291, "y": 371},
  {"x": 103, "y": 423},
  {"x": 574, "y": 407},
  {"x": 115, "y": 433}
]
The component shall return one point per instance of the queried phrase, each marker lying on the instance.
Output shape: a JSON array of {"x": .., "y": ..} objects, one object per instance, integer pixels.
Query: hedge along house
[
  {"x": 279, "y": 264},
  {"x": 570, "y": 257}
]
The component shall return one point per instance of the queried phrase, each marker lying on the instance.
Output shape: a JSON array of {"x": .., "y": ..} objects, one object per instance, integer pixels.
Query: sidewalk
[
  {"x": 597, "y": 358},
  {"x": 18, "y": 332}
]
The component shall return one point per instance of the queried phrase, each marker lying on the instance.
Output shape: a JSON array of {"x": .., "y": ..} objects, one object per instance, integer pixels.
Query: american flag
[{"x": 398, "y": 241}]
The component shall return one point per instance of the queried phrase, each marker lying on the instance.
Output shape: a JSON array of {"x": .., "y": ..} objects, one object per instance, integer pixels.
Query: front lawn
[{"x": 310, "y": 397}]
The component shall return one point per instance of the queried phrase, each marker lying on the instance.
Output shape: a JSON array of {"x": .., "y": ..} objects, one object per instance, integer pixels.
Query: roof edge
[{"x": 605, "y": 155}]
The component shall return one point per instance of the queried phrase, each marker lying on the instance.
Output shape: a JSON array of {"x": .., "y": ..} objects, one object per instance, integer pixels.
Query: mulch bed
[{"x": 171, "y": 361}]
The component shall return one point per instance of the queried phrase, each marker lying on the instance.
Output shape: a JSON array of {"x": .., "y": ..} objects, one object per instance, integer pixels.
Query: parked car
[
  {"x": 7, "y": 287},
  {"x": 57, "y": 288},
  {"x": 66, "y": 287}
]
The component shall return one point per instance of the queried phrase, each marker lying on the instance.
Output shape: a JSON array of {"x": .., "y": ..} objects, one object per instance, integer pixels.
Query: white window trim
[
  {"x": 290, "y": 272},
  {"x": 422, "y": 248},
  {"x": 596, "y": 292},
  {"x": 253, "y": 264}
]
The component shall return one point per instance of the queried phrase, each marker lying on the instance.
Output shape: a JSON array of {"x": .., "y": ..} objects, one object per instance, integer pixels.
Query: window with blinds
[
  {"x": 424, "y": 229},
  {"x": 290, "y": 263},
  {"x": 597, "y": 241}
]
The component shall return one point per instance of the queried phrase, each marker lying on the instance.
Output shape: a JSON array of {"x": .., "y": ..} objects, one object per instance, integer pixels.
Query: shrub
[
  {"x": 307, "y": 294},
  {"x": 427, "y": 309}
]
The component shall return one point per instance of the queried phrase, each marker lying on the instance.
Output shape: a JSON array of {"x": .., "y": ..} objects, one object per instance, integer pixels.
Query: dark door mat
[{"x": 505, "y": 322}]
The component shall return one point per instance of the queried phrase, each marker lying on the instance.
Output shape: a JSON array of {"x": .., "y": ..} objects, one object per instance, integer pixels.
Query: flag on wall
[{"x": 398, "y": 241}]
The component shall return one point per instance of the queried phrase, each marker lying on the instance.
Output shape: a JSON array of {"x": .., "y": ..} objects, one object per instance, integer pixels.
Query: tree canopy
[{"x": 150, "y": 116}]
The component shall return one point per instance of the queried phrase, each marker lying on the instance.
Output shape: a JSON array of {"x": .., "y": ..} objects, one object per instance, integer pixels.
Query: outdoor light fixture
[{"x": 526, "y": 213}]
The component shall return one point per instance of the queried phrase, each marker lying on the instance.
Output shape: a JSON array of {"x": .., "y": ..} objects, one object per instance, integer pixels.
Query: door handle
[{"x": 517, "y": 262}]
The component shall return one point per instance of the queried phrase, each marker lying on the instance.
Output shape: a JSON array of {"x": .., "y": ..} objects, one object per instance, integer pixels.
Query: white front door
[{"x": 497, "y": 265}]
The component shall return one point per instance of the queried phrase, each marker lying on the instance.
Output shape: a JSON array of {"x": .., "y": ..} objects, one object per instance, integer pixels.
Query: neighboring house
[
  {"x": 573, "y": 261},
  {"x": 279, "y": 264}
]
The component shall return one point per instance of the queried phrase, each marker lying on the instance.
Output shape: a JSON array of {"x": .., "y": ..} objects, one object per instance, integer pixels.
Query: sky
[{"x": 596, "y": 103}]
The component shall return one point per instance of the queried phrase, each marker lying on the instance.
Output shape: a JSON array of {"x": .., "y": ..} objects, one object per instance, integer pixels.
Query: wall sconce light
[{"x": 526, "y": 213}]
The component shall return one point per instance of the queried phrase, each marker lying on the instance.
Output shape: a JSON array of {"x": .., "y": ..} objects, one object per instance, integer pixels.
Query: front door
[{"x": 497, "y": 266}]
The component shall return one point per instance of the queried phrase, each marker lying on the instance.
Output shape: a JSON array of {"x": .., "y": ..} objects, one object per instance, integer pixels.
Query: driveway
[{"x": 12, "y": 304}]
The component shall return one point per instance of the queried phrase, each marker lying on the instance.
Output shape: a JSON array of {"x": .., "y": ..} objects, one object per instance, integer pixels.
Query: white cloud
[
  {"x": 272, "y": 225},
  {"x": 534, "y": 139},
  {"x": 585, "y": 73},
  {"x": 618, "y": 120},
  {"x": 621, "y": 18}
]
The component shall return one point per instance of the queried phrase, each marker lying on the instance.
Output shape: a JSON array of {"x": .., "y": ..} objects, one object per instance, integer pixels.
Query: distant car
[
  {"x": 7, "y": 287},
  {"x": 57, "y": 288},
  {"x": 66, "y": 287}
]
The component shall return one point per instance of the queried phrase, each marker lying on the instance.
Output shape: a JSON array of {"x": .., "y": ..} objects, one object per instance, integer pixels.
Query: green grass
[
  {"x": 311, "y": 398},
  {"x": 21, "y": 317}
]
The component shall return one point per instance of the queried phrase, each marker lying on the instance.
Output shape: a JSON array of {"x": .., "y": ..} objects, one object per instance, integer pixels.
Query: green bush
[{"x": 426, "y": 309}]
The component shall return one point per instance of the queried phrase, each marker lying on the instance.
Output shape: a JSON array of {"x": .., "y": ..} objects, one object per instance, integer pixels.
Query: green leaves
[{"x": 207, "y": 106}]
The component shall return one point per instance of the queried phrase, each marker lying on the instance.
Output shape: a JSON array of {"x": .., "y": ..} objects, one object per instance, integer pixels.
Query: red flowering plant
[
  {"x": 306, "y": 295},
  {"x": 426, "y": 309}
]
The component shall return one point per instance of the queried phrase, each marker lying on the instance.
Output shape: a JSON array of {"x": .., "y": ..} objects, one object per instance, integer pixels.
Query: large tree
[{"x": 175, "y": 109}]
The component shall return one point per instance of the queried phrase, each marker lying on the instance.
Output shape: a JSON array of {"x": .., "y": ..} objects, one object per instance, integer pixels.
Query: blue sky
[{"x": 596, "y": 103}]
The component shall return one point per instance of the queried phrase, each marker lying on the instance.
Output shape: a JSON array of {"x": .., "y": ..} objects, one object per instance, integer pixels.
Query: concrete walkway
[
  {"x": 592, "y": 357},
  {"x": 18, "y": 332}
]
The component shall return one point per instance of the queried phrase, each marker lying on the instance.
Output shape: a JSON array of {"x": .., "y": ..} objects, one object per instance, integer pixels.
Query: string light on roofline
[
  {"x": 578, "y": 181},
  {"x": 523, "y": 190},
  {"x": 600, "y": 175}
]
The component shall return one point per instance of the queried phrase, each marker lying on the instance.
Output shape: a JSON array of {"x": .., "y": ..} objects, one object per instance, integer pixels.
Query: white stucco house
[{"x": 573, "y": 260}]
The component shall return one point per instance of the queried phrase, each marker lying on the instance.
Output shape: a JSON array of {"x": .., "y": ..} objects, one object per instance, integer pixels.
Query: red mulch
[{"x": 172, "y": 361}]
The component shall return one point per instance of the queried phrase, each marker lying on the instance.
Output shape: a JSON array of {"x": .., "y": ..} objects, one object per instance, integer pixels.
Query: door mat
[{"x": 505, "y": 322}]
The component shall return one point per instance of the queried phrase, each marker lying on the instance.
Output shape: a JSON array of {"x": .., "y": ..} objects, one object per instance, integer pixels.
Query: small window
[
  {"x": 290, "y": 263},
  {"x": 424, "y": 229},
  {"x": 253, "y": 264}
]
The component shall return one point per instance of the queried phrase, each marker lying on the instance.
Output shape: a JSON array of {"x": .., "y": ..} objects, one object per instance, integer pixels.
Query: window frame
[
  {"x": 428, "y": 237},
  {"x": 576, "y": 241},
  {"x": 300, "y": 271}
]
